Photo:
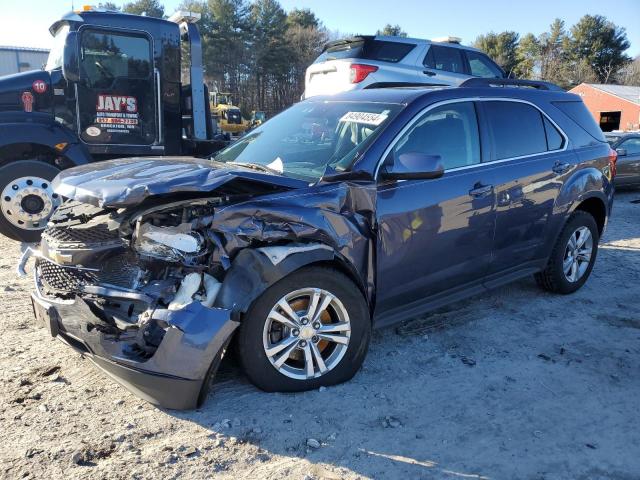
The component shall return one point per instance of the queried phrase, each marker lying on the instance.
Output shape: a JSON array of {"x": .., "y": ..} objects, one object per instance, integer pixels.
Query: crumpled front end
[
  {"x": 144, "y": 314},
  {"x": 153, "y": 291}
]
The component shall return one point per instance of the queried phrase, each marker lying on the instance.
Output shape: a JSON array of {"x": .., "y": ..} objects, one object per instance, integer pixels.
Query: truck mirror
[{"x": 70, "y": 64}]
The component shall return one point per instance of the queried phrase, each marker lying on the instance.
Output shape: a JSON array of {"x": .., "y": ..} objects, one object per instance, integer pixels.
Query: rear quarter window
[
  {"x": 578, "y": 113},
  {"x": 555, "y": 141}
]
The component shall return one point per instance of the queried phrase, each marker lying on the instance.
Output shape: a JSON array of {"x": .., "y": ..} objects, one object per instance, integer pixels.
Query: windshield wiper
[{"x": 256, "y": 166}]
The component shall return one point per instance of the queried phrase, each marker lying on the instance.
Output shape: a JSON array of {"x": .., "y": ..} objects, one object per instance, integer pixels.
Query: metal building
[
  {"x": 21, "y": 59},
  {"x": 615, "y": 107}
]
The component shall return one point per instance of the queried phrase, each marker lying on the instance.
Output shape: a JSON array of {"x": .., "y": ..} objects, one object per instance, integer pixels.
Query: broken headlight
[{"x": 173, "y": 244}]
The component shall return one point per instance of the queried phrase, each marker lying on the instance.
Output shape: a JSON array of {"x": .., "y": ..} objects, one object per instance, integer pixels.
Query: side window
[
  {"x": 554, "y": 138},
  {"x": 450, "y": 131},
  {"x": 632, "y": 146},
  {"x": 444, "y": 58},
  {"x": 517, "y": 129},
  {"x": 106, "y": 57},
  {"x": 481, "y": 66}
]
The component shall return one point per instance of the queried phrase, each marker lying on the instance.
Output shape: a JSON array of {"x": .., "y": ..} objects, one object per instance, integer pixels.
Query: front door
[
  {"x": 116, "y": 94},
  {"x": 435, "y": 236}
]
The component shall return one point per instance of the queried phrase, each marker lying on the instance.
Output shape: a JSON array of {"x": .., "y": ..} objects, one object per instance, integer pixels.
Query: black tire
[
  {"x": 552, "y": 278},
  {"x": 12, "y": 171},
  {"x": 250, "y": 346}
]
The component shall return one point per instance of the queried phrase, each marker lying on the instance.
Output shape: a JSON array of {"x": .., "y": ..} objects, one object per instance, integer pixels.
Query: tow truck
[{"x": 115, "y": 85}]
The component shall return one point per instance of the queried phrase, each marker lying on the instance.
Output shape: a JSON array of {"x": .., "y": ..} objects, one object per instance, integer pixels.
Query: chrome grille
[
  {"x": 98, "y": 233},
  {"x": 120, "y": 270},
  {"x": 63, "y": 279}
]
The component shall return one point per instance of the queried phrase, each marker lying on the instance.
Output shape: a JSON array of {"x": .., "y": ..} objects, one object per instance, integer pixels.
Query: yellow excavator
[
  {"x": 258, "y": 118},
  {"x": 227, "y": 115}
]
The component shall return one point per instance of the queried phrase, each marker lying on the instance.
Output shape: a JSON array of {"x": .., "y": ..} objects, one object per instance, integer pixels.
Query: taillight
[
  {"x": 359, "y": 72},
  {"x": 613, "y": 159}
]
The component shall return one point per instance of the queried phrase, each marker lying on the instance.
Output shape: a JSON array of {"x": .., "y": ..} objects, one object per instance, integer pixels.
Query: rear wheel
[
  {"x": 310, "y": 329},
  {"x": 573, "y": 255},
  {"x": 27, "y": 199}
]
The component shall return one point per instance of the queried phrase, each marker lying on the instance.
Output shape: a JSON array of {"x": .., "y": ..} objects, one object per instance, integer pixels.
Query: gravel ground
[{"x": 517, "y": 384}]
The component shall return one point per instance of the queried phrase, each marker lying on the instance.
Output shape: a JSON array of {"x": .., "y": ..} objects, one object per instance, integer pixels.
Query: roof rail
[{"x": 510, "y": 82}]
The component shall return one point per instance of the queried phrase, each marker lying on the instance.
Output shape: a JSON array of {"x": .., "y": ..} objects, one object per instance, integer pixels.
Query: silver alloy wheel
[
  {"x": 306, "y": 333},
  {"x": 577, "y": 254},
  {"x": 28, "y": 202}
]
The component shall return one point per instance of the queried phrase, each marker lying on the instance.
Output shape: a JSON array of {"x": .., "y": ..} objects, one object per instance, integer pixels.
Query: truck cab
[{"x": 115, "y": 85}]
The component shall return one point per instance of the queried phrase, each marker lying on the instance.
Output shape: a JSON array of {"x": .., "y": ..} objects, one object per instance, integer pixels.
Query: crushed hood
[{"x": 129, "y": 181}]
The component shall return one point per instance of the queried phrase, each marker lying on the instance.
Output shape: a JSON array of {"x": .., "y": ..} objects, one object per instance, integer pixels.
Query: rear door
[
  {"x": 529, "y": 152},
  {"x": 628, "y": 165},
  {"x": 444, "y": 65},
  {"x": 116, "y": 91}
]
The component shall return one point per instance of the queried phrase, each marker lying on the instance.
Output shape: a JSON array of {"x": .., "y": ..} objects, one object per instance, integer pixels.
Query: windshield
[
  {"x": 311, "y": 138},
  {"x": 57, "y": 49}
]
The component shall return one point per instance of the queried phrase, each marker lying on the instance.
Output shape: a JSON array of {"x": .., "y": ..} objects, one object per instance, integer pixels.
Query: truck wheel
[
  {"x": 27, "y": 199},
  {"x": 310, "y": 329},
  {"x": 573, "y": 255}
]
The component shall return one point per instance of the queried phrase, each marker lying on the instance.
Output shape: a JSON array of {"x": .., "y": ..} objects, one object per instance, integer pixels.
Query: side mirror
[
  {"x": 414, "y": 166},
  {"x": 622, "y": 152},
  {"x": 70, "y": 62}
]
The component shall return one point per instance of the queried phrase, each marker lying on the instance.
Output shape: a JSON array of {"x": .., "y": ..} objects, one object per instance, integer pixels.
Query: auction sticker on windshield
[{"x": 368, "y": 118}]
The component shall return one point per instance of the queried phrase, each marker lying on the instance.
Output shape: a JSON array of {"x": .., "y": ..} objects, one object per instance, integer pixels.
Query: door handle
[
  {"x": 429, "y": 73},
  {"x": 561, "y": 167},
  {"x": 481, "y": 191}
]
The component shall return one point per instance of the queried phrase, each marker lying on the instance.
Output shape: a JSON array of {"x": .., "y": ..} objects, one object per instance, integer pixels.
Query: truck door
[{"x": 116, "y": 94}]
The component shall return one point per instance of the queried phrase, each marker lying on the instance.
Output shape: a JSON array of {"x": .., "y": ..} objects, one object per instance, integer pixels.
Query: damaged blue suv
[{"x": 339, "y": 215}]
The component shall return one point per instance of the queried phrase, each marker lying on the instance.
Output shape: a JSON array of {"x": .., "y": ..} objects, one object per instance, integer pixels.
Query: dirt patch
[{"x": 514, "y": 384}]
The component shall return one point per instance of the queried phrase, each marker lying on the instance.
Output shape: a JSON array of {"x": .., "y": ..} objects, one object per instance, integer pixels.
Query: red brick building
[{"x": 615, "y": 107}]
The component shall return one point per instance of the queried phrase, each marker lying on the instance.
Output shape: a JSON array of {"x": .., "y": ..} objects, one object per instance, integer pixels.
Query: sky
[{"x": 26, "y": 23}]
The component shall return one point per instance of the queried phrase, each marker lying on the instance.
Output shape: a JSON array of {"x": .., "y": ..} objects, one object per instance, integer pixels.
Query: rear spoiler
[{"x": 346, "y": 41}]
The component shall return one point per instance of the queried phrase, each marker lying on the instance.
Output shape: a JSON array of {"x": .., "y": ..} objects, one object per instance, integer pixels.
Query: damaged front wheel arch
[{"x": 253, "y": 272}]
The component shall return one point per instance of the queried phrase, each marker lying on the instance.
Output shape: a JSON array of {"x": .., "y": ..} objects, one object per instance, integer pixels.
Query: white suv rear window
[{"x": 366, "y": 49}]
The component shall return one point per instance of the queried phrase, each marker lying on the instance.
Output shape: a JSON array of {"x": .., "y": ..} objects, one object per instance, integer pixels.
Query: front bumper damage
[
  {"x": 174, "y": 376},
  {"x": 150, "y": 265}
]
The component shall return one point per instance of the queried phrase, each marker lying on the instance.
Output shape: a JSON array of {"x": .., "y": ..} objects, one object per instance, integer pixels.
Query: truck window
[
  {"x": 116, "y": 92},
  {"x": 106, "y": 56},
  {"x": 57, "y": 49}
]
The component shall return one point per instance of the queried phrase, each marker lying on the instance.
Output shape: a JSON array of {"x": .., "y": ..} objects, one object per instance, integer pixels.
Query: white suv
[{"x": 381, "y": 61}]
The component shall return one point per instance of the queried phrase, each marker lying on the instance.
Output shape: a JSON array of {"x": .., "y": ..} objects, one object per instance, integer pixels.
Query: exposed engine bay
[
  {"x": 151, "y": 288},
  {"x": 130, "y": 264}
]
